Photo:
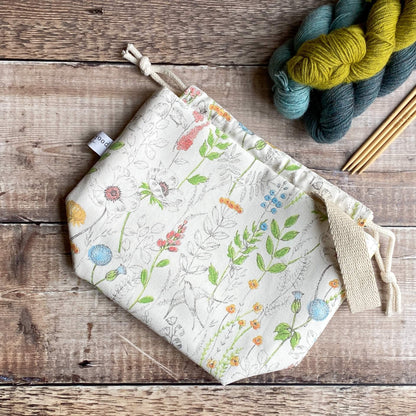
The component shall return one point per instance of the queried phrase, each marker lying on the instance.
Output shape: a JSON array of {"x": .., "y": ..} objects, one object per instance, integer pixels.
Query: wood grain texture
[
  {"x": 49, "y": 111},
  {"x": 190, "y": 31},
  {"x": 203, "y": 400},
  {"x": 57, "y": 328}
]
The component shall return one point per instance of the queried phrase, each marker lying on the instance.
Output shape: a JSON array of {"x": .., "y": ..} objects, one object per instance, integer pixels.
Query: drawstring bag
[{"x": 190, "y": 219}]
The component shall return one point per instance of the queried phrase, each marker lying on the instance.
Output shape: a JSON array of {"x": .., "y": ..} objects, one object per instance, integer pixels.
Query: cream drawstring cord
[
  {"x": 394, "y": 298},
  {"x": 143, "y": 62}
]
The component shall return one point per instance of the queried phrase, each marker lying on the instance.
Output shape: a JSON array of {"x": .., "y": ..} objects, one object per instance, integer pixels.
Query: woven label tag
[{"x": 100, "y": 143}]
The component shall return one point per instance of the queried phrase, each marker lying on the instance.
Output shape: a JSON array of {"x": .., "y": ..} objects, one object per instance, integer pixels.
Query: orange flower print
[
  {"x": 221, "y": 112},
  {"x": 230, "y": 308},
  {"x": 234, "y": 361},
  {"x": 343, "y": 294},
  {"x": 257, "y": 307},
  {"x": 241, "y": 322},
  {"x": 361, "y": 222},
  {"x": 253, "y": 284},
  {"x": 211, "y": 363},
  {"x": 255, "y": 324},
  {"x": 258, "y": 340},
  {"x": 74, "y": 248},
  {"x": 231, "y": 204},
  {"x": 75, "y": 213},
  {"x": 334, "y": 283}
]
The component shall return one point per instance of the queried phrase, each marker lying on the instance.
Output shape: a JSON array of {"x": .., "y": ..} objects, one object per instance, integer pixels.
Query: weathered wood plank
[
  {"x": 49, "y": 111},
  {"x": 57, "y": 328},
  {"x": 173, "y": 32},
  {"x": 202, "y": 400}
]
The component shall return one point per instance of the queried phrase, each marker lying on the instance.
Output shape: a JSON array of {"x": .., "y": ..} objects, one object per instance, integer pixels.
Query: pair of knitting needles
[{"x": 384, "y": 136}]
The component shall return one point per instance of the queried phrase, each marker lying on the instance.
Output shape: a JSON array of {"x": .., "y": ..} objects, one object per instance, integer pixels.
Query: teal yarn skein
[
  {"x": 291, "y": 98},
  {"x": 331, "y": 112}
]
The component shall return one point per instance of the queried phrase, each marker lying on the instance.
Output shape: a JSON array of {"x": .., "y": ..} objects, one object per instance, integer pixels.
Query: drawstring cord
[
  {"x": 393, "y": 290},
  {"x": 143, "y": 62}
]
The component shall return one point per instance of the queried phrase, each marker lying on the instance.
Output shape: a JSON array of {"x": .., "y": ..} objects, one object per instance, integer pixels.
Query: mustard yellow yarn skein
[{"x": 349, "y": 54}]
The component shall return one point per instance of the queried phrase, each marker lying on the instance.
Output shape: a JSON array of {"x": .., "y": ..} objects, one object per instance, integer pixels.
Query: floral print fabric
[{"x": 203, "y": 231}]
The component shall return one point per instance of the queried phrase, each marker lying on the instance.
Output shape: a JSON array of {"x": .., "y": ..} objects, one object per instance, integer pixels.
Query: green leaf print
[
  {"x": 213, "y": 155},
  {"x": 105, "y": 155},
  {"x": 290, "y": 235},
  {"x": 282, "y": 252},
  {"x": 260, "y": 262},
  {"x": 146, "y": 299},
  {"x": 223, "y": 146},
  {"x": 237, "y": 240},
  {"x": 197, "y": 179},
  {"x": 275, "y": 229},
  {"x": 291, "y": 221},
  {"x": 210, "y": 139},
  {"x": 116, "y": 146},
  {"x": 277, "y": 268},
  {"x": 283, "y": 335},
  {"x": 283, "y": 326},
  {"x": 162, "y": 263},
  {"x": 212, "y": 274},
  {"x": 269, "y": 245},
  {"x": 203, "y": 149},
  {"x": 143, "y": 277},
  {"x": 294, "y": 341},
  {"x": 92, "y": 170},
  {"x": 231, "y": 251},
  {"x": 240, "y": 260},
  {"x": 292, "y": 167}
]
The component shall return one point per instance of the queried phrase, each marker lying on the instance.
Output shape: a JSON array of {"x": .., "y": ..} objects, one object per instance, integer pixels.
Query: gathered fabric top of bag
[{"x": 230, "y": 249}]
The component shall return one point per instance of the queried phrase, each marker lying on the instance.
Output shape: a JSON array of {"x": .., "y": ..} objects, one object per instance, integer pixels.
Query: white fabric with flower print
[{"x": 190, "y": 219}]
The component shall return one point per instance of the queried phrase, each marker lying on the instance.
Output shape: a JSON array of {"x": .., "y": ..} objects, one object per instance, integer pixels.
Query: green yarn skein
[{"x": 290, "y": 97}]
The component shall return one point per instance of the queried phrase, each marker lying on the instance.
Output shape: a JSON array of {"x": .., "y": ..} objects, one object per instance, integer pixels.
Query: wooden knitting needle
[
  {"x": 388, "y": 142},
  {"x": 385, "y": 136},
  {"x": 370, "y": 143}
]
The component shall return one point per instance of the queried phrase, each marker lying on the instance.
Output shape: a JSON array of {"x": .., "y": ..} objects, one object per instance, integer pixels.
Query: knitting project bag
[{"x": 190, "y": 219}]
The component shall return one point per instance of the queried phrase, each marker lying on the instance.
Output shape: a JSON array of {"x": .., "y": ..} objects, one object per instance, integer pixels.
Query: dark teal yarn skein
[
  {"x": 330, "y": 113},
  {"x": 291, "y": 98}
]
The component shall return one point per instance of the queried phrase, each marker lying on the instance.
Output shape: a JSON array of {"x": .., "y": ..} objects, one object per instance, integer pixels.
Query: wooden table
[{"x": 62, "y": 80}]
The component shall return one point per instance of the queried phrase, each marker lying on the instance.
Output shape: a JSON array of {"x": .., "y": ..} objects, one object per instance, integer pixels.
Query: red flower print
[
  {"x": 197, "y": 116},
  {"x": 173, "y": 248},
  {"x": 161, "y": 243},
  {"x": 187, "y": 140}
]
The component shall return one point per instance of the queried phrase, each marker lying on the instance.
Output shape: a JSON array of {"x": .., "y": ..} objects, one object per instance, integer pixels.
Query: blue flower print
[
  {"x": 278, "y": 204},
  {"x": 267, "y": 197},
  {"x": 263, "y": 205},
  {"x": 318, "y": 310},
  {"x": 263, "y": 226},
  {"x": 272, "y": 192},
  {"x": 283, "y": 196},
  {"x": 100, "y": 255},
  {"x": 273, "y": 210},
  {"x": 297, "y": 294},
  {"x": 274, "y": 200},
  {"x": 245, "y": 129}
]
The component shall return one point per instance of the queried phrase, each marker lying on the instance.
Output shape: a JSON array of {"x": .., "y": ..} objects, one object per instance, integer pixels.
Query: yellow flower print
[
  {"x": 253, "y": 284},
  {"x": 75, "y": 213},
  {"x": 257, "y": 307},
  {"x": 241, "y": 322},
  {"x": 234, "y": 361},
  {"x": 211, "y": 363}
]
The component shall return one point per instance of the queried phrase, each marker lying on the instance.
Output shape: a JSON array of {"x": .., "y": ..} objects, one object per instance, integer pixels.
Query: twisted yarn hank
[
  {"x": 290, "y": 97},
  {"x": 349, "y": 54}
]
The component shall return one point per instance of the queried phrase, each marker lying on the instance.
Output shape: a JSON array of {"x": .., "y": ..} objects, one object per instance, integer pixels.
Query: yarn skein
[
  {"x": 330, "y": 113},
  {"x": 349, "y": 54},
  {"x": 290, "y": 97}
]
